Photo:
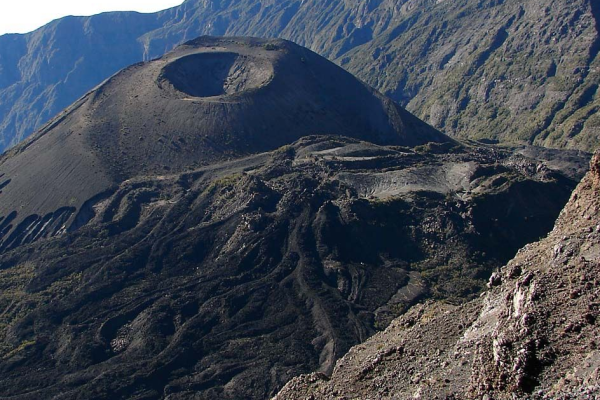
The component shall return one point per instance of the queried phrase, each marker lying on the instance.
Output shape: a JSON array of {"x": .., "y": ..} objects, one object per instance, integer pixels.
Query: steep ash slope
[
  {"x": 209, "y": 100},
  {"x": 43, "y": 72},
  {"x": 228, "y": 280},
  {"x": 511, "y": 70},
  {"x": 533, "y": 335}
]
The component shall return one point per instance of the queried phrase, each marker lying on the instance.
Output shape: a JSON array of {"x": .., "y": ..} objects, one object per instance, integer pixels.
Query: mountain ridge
[{"x": 392, "y": 46}]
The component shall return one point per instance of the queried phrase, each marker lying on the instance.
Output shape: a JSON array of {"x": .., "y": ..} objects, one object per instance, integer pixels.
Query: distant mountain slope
[{"x": 508, "y": 69}]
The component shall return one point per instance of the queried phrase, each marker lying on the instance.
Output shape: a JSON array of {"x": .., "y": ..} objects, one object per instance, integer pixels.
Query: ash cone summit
[{"x": 209, "y": 100}]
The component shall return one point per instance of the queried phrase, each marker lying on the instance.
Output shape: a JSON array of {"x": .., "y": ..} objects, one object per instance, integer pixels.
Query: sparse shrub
[
  {"x": 225, "y": 181},
  {"x": 20, "y": 348}
]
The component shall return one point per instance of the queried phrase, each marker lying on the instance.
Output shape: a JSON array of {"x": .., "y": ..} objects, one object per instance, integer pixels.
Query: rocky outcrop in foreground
[{"x": 533, "y": 335}]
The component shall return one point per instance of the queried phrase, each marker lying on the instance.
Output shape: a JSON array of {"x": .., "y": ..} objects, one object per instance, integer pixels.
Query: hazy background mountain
[{"x": 507, "y": 70}]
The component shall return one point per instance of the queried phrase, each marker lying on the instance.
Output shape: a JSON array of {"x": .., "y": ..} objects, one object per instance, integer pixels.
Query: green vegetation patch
[{"x": 16, "y": 301}]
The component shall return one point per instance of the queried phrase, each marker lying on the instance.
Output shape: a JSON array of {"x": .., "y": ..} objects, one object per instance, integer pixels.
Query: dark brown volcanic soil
[
  {"x": 207, "y": 101},
  {"x": 227, "y": 281}
]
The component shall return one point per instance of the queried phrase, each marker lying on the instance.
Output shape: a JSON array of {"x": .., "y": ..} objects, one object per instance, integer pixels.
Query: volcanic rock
[
  {"x": 180, "y": 232},
  {"x": 228, "y": 280},
  {"x": 534, "y": 335}
]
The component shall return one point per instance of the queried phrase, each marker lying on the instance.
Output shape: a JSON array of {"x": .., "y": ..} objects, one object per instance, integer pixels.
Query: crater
[{"x": 216, "y": 74}]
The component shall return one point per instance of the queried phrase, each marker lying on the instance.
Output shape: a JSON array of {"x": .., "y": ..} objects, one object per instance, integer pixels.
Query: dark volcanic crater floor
[{"x": 228, "y": 280}]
